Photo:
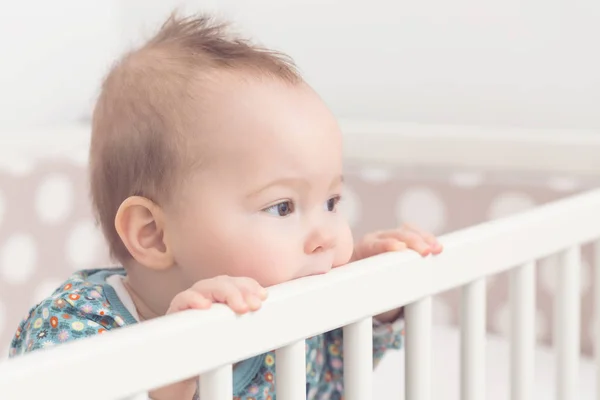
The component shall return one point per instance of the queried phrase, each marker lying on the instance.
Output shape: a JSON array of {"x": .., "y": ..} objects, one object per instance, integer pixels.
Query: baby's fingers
[
  {"x": 412, "y": 240},
  {"x": 250, "y": 287},
  {"x": 387, "y": 244},
  {"x": 189, "y": 300},
  {"x": 378, "y": 246},
  {"x": 252, "y": 293},
  {"x": 253, "y": 301},
  {"x": 234, "y": 296},
  {"x": 429, "y": 238}
]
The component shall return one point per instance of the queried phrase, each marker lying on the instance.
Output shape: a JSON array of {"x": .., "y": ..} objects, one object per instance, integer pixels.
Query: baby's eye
[
  {"x": 332, "y": 203},
  {"x": 281, "y": 209}
]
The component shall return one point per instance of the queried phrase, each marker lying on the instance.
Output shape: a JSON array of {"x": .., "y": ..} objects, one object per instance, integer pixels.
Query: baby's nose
[{"x": 319, "y": 240}]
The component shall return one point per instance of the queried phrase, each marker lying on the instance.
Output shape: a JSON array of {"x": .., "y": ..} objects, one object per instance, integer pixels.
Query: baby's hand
[
  {"x": 240, "y": 294},
  {"x": 405, "y": 237}
]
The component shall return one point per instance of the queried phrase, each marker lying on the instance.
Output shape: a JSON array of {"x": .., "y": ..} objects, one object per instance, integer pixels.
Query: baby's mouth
[
  {"x": 322, "y": 269},
  {"x": 320, "y": 264}
]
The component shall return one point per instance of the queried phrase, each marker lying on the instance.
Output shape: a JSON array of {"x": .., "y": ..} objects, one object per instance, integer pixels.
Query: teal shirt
[{"x": 86, "y": 305}]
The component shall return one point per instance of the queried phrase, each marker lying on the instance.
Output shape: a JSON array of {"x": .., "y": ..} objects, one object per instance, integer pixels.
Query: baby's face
[{"x": 265, "y": 203}]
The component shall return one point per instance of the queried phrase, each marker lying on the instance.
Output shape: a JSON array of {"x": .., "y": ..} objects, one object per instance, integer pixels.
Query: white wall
[
  {"x": 52, "y": 55},
  {"x": 510, "y": 62}
]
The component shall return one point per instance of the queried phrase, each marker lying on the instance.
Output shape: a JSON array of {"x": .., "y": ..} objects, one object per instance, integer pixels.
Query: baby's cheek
[
  {"x": 268, "y": 262},
  {"x": 344, "y": 246}
]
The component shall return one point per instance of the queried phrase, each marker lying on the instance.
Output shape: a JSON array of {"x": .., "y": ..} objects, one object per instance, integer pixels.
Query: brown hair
[{"x": 138, "y": 138}]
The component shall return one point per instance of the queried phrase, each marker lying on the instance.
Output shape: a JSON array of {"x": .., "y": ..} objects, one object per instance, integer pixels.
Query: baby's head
[{"x": 210, "y": 156}]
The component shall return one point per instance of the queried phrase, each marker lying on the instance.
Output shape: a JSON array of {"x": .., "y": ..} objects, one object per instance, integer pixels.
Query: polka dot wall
[{"x": 47, "y": 230}]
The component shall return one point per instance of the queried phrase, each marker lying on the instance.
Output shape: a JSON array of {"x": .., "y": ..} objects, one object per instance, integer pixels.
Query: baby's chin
[{"x": 277, "y": 280}]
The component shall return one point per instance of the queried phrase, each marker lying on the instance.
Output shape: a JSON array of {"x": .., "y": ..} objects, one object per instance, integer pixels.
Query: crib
[{"x": 510, "y": 245}]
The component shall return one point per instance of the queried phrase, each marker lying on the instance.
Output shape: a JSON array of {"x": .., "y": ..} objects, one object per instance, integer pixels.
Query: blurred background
[
  {"x": 529, "y": 64},
  {"x": 511, "y": 62}
]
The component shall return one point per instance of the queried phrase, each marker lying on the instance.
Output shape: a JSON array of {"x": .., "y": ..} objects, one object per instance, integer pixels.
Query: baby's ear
[{"x": 140, "y": 225}]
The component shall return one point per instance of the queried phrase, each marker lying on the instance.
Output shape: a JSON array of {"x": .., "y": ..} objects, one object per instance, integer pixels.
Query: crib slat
[
  {"x": 290, "y": 371},
  {"x": 217, "y": 384},
  {"x": 567, "y": 328},
  {"x": 522, "y": 331},
  {"x": 473, "y": 331},
  {"x": 418, "y": 350},
  {"x": 358, "y": 360},
  {"x": 596, "y": 319}
]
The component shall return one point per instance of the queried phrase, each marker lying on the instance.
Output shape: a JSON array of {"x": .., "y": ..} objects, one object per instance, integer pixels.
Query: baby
[{"x": 215, "y": 172}]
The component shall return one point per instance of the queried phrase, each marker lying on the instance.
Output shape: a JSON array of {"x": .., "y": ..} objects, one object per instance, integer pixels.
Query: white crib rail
[
  {"x": 195, "y": 343},
  {"x": 522, "y": 308},
  {"x": 291, "y": 371},
  {"x": 418, "y": 349},
  {"x": 358, "y": 359},
  {"x": 473, "y": 340},
  {"x": 217, "y": 384},
  {"x": 567, "y": 323}
]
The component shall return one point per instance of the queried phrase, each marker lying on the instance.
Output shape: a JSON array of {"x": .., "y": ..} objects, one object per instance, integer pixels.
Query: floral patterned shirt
[{"x": 86, "y": 305}]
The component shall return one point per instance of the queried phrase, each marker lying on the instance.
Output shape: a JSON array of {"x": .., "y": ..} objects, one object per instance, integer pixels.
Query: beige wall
[{"x": 46, "y": 230}]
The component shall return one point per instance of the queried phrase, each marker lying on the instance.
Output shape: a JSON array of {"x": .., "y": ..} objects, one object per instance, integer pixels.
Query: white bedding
[{"x": 389, "y": 376}]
